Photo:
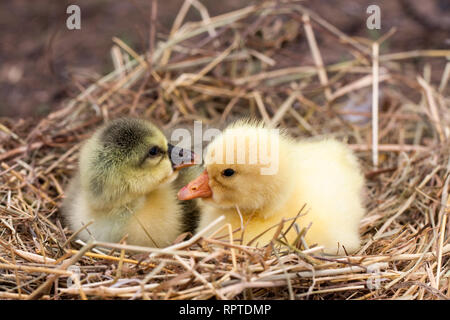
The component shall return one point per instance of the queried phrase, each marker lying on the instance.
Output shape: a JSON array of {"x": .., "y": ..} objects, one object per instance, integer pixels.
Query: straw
[{"x": 218, "y": 69}]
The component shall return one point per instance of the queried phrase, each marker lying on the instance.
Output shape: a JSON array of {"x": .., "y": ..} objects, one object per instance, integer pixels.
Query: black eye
[
  {"x": 154, "y": 151},
  {"x": 228, "y": 172}
]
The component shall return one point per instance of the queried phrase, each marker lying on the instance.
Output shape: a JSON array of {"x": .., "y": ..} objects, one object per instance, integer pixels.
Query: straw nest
[{"x": 264, "y": 61}]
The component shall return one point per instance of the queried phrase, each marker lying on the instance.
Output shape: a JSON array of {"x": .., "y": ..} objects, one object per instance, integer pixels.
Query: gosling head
[
  {"x": 127, "y": 158},
  {"x": 246, "y": 166}
]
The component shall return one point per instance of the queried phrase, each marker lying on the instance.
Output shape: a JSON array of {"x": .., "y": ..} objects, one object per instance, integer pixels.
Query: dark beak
[{"x": 180, "y": 158}]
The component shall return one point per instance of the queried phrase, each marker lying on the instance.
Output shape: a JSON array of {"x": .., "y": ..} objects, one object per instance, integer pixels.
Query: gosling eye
[
  {"x": 154, "y": 151},
  {"x": 228, "y": 172}
]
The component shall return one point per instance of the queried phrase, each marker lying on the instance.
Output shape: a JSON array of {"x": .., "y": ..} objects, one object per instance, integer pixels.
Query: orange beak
[{"x": 198, "y": 188}]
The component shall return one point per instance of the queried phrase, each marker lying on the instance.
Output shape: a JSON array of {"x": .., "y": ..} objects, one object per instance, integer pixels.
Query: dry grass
[{"x": 245, "y": 63}]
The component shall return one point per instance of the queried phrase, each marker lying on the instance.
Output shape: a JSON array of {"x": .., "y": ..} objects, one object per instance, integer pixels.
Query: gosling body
[
  {"x": 317, "y": 181},
  {"x": 126, "y": 187}
]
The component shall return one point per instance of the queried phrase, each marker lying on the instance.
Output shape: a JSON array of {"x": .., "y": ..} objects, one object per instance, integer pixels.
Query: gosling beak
[
  {"x": 198, "y": 188},
  {"x": 180, "y": 158}
]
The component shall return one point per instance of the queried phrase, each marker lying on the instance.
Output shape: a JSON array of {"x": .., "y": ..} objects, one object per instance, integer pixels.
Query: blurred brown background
[{"x": 42, "y": 63}]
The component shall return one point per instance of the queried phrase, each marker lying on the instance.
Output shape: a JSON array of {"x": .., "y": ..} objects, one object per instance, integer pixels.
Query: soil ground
[{"x": 42, "y": 63}]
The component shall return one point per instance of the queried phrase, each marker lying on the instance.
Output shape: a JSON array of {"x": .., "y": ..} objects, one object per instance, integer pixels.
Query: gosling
[
  {"x": 323, "y": 176},
  {"x": 126, "y": 186}
]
